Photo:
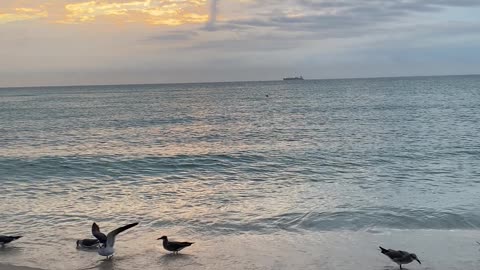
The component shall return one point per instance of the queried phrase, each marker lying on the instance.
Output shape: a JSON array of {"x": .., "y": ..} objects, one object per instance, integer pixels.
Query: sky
[{"x": 85, "y": 42}]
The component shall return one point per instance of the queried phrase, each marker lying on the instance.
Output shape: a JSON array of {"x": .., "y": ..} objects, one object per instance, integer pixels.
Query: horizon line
[{"x": 246, "y": 81}]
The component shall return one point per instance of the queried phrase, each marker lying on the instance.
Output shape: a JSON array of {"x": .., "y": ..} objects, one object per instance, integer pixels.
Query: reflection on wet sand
[
  {"x": 176, "y": 261},
  {"x": 393, "y": 268},
  {"x": 84, "y": 249},
  {"x": 10, "y": 250},
  {"x": 107, "y": 264},
  {"x": 170, "y": 257}
]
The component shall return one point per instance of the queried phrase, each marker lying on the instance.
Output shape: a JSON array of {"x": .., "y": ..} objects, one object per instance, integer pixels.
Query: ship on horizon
[{"x": 300, "y": 78}]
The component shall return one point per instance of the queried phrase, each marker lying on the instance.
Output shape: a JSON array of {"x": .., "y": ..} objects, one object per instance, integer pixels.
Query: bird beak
[
  {"x": 419, "y": 261},
  {"x": 159, "y": 238}
]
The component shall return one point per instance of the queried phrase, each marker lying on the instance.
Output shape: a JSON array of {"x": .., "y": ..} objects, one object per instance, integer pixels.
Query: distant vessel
[{"x": 293, "y": 78}]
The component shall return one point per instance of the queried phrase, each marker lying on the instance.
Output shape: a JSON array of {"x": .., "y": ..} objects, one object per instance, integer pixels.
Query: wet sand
[
  {"x": 340, "y": 250},
  {"x": 12, "y": 267}
]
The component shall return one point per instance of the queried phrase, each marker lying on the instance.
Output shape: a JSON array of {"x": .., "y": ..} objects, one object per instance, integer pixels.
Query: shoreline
[
  {"x": 339, "y": 250},
  {"x": 235, "y": 81},
  {"x": 4, "y": 266}
]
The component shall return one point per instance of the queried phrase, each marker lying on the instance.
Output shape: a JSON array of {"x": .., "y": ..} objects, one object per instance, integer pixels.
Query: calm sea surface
[{"x": 226, "y": 161}]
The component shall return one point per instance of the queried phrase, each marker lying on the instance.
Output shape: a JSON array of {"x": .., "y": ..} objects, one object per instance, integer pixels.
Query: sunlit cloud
[
  {"x": 147, "y": 41},
  {"x": 153, "y": 12},
  {"x": 22, "y": 14},
  {"x": 164, "y": 12}
]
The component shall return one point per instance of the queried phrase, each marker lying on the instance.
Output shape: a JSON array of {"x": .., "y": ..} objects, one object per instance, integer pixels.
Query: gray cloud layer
[
  {"x": 317, "y": 15},
  {"x": 264, "y": 39},
  {"x": 212, "y": 20}
]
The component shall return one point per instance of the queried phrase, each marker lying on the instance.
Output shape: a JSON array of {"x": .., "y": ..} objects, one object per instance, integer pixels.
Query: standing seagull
[
  {"x": 7, "y": 239},
  {"x": 400, "y": 256},
  {"x": 108, "y": 241},
  {"x": 175, "y": 247}
]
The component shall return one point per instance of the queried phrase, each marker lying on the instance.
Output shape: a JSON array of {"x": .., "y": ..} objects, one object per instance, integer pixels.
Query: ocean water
[{"x": 261, "y": 175}]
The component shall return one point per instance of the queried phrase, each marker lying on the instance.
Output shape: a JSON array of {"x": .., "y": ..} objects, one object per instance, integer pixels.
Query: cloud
[
  {"x": 342, "y": 15},
  {"x": 166, "y": 12},
  {"x": 244, "y": 45},
  {"x": 154, "y": 12},
  {"x": 189, "y": 40},
  {"x": 174, "y": 36},
  {"x": 212, "y": 18},
  {"x": 22, "y": 14}
]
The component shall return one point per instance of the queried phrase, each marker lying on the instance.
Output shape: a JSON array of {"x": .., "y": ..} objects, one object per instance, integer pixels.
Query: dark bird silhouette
[
  {"x": 88, "y": 243},
  {"x": 173, "y": 246},
  {"x": 399, "y": 256},
  {"x": 4, "y": 239}
]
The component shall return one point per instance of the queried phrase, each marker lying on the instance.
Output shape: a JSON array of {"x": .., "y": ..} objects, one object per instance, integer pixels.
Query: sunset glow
[
  {"x": 70, "y": 42},
  {"x": 154, "y": 12},
  {"x": 22, "y": 14}
]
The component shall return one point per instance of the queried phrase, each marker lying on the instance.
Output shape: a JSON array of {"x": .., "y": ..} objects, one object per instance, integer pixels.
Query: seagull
[
  {"x": 175, "y": 247},
  {"x": 108, "y": 241},
  {"x": 88, "y": 243},
  {"x": 4, "y": 239},
  {"x": 400, "y": 256}
]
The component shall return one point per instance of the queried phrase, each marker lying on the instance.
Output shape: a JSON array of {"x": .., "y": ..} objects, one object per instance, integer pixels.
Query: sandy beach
[
  {"x": 12, "y": 267},
  {"x": 437, "y": 250}
]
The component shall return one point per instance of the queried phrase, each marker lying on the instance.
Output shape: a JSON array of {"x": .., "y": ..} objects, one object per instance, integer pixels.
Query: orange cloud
[
  {"x": 166, "y": 12},
  {"x": 22, "y": 14},
  {"x": 154, "y": 12}
]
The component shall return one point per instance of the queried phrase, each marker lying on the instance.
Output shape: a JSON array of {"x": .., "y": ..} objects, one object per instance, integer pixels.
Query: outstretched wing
[
  {"x": 7, "y": 239},
  {"x": 111, "y": 235},
  {"x": 98, "y": 234}
]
